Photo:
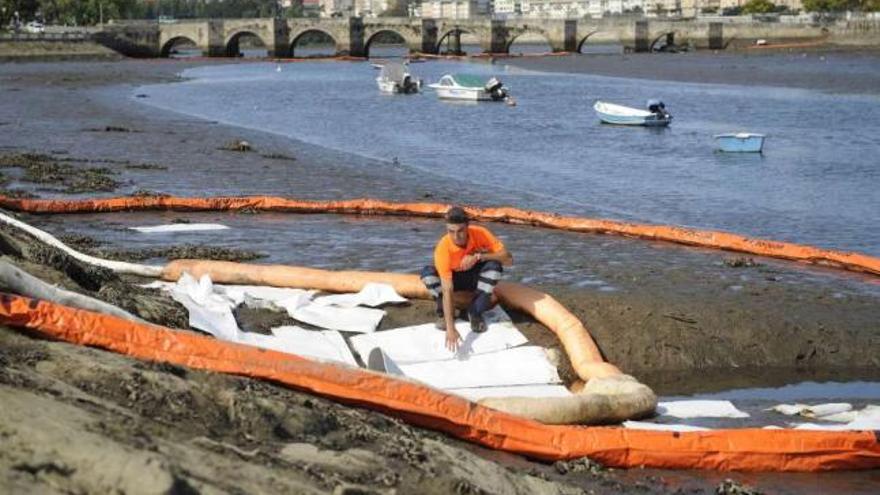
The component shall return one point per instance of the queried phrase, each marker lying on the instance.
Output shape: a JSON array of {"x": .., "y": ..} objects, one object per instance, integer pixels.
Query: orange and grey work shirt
[{"x": 447, "y": 256}]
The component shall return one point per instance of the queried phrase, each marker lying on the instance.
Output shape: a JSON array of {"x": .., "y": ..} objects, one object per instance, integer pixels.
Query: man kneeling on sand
[{"x": 467, "y": 263}]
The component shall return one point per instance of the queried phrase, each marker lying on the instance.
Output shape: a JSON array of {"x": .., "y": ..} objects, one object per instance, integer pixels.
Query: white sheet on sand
[
  {"x": 179, "y": 227},
  {"x": 422, "y": 343},
  {"x": 519, "y": 366},
  {"x": 256, "y": 296},
  {"x": 687, "y": 409},
  {"x": 820, "y": 411},
  {"x": 326, "y": 345},
  {"x": 865, "y": 419},
  {"x": 360, "y": 320},
  {"x": 371, "y": 295},
  {"x": 208, "y": 311},
  {"x": 645, "y": 425},
  {"x": 476, "y": 394}
]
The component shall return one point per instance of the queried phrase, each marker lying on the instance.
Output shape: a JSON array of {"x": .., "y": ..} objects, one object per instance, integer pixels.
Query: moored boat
[
  {"x": 470, "y": 88},
  {"x": 655, "y": 116},
  {"x": 395, "y": 78},
  {"x": 741, "y": 142}
]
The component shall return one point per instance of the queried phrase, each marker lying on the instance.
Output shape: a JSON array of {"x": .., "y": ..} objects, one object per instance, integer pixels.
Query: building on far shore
[
  {"x": 455, "y": 9},
  {"x": 569, "y": 9}
]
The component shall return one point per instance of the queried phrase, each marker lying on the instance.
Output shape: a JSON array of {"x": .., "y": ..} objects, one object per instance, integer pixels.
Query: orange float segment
[
  {"x": 743, "y": 450},
  {"x": 680, "y": 235}
]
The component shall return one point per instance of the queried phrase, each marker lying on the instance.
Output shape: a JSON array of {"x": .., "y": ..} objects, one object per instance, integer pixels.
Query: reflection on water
[{"x": 815, "y": 184}]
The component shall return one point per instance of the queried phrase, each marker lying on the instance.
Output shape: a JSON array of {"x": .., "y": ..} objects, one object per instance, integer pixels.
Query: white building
[
  {"x": 336, "y": 8},
  {"x": 370, "y": 8},
  {"x": 455, "y": 9},
  {"x": 573, "y": 9},
  {"x": 507, "y": 8}
]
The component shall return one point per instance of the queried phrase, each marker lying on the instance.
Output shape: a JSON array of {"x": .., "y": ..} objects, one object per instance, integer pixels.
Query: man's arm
[
  {"x": 504, "y": 257},
  {"x": 452, "y": 336}
]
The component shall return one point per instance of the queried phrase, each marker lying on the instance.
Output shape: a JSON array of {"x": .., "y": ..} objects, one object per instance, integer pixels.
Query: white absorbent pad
[
  {"x": 645, "y": 425},
  {"x": 361, "y": 320},
  {"x": 372, "y": 295},
  {"x": 866, "y": 419},
  {"x": 421, "y": 343},
  {"x": 821, "y": 411},
  {"x": 519, "y": 366},
  {"x": 260, "y": 297},
  {"x": 325, "y": 345},
  {"x": 700, "y": 409},
  {"x": 476, "y": 394},
  {"x": 208, "y": 311},
  {"x": 179, "y": 227}
]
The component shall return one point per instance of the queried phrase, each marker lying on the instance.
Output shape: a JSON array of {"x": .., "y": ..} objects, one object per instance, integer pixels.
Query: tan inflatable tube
[
  {"x": 681, "y": 235},
  {"x": 608, "y": 400}
]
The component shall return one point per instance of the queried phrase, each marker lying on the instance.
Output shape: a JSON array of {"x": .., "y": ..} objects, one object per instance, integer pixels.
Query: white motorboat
[
  {"x": 655, "y": 116},
  {"x": 470, "y": 88},
  {"x": 396, "y": 79}
]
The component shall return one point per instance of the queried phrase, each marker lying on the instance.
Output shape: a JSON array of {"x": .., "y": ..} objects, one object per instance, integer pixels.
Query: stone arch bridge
[{"x": 353, "y": 36}]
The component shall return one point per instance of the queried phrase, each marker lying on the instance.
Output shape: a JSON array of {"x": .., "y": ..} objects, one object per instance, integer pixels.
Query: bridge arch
[
  {"x": 583, "y": 40},
  {"x": 527, "y": 31},
  {"x": 232, "y": 42},
  {"x": 370, "y": 38},
  {"x": 668, "y": 37},
  {"x": 456, "y": 34},
  {"x": 169, "y": 45},
  {"x": 312, "y": 32}
]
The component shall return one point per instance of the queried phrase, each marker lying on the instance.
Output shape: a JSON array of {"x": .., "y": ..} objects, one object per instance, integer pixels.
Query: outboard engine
[
  {"x": 409, "y": 86},
  {"x": 657, "y": 107},
  {"x": 496, "y": 89}
]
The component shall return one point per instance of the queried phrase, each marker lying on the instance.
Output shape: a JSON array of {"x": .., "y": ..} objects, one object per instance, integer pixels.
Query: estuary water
[{"x": 818, "y": 181}]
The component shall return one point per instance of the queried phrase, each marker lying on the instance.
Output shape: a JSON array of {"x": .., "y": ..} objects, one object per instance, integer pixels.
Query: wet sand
[{"x": 667, "y": 326}]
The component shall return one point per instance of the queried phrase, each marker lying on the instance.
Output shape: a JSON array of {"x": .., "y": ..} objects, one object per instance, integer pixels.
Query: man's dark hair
[{"x": 456, "y": 215}]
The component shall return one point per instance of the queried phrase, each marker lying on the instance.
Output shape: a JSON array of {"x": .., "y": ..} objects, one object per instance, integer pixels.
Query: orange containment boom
[
  {"x": 693, "y": 237},
  {"x": 746, "y": 450}
]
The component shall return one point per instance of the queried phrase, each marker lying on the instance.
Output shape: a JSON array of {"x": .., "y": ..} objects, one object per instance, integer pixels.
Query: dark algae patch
[{"x": 60, "y": 175}]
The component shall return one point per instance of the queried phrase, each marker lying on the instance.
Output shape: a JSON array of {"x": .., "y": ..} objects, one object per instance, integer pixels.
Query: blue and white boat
[
  {"x": 742, "y": 142},
  {"x": 655, "y": 116}
]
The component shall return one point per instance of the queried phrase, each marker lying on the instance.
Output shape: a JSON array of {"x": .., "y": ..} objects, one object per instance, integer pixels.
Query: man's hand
[
  {"x": 452, "y": 338},
  {"x": 468, "y": 261}
]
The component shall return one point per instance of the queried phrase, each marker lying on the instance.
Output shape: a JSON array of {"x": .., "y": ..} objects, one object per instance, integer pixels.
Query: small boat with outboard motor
[
  {"x": 470, "y": 88},
  {"x": 655, "y": 116},
  {"x": 395, "y": 78}
]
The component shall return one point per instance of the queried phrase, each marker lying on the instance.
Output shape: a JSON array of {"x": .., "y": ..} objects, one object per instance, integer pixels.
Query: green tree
[
  {"x": 833, "y": 5},
  {"x": 758, "y": 7}
]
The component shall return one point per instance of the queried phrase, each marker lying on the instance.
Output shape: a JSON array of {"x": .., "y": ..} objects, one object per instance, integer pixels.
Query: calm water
[{"x": 817, "y": 182}]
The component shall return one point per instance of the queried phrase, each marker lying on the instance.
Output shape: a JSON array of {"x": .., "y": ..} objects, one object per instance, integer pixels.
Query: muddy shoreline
[{"x": 665, "y": 325}]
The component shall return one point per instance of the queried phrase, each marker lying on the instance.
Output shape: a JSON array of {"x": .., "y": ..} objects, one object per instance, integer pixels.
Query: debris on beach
[
  {"x": 741, "y": 262},
  {"x": 730, "y": 487},
  {"x": 237, "y": 145}
]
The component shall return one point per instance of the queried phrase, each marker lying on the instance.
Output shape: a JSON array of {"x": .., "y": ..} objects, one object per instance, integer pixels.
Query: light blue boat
[{"x": 742, "y": 142}]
